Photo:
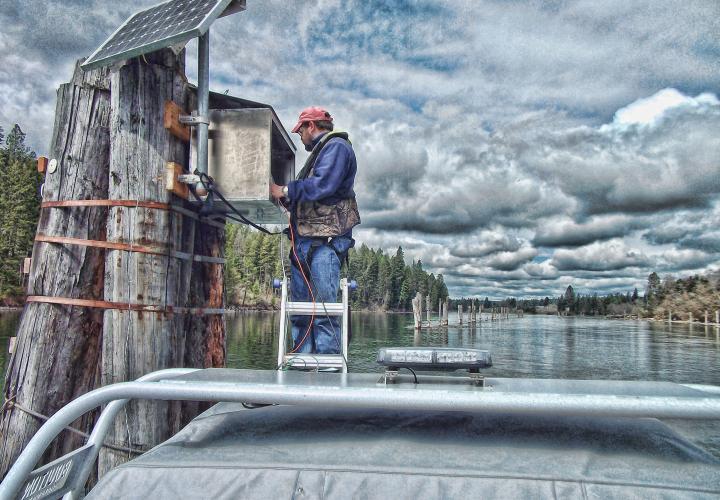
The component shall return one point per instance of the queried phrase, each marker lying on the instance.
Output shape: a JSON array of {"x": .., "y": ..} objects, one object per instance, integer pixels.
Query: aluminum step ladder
[{"x": 311, "y": 361}]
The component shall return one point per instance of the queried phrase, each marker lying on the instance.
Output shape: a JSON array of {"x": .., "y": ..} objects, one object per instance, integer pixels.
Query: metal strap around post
[
  {"x": 156, "y": 205},
  {"x": 127, "y": 247},
  {"x": 122, "y": 306}
]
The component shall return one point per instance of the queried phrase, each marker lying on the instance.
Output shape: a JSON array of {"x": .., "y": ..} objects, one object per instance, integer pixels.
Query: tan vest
[{"x": 314, "y": 219}]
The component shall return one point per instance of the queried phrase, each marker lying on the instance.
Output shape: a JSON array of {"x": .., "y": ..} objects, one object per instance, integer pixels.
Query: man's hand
[{"x": 276, "y": 191}]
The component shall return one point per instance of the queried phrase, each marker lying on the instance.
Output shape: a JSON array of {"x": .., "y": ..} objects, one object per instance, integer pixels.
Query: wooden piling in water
[
  {"x": 417, "y": 310},
  {"x": 111, "y": 146},
  {"x": 428, "y": 306},
  {"x": 57, "y": 352},
  {"x": 446, "y": 305},
  {"x": 460, "y": 314},
  {"x": 135, "y": 342}
]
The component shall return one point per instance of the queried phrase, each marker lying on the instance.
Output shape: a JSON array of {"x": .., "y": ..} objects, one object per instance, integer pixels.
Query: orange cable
[{"x": 312, "y": 318}]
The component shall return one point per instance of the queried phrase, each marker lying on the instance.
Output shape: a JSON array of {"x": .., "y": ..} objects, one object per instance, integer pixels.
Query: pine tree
[
  {"x": 397, "y": 265},
  {"x": 20, "y": 208}
]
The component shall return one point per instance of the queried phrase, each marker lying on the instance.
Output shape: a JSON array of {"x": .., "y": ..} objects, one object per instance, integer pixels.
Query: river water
[{"x": 531, "y": 346}]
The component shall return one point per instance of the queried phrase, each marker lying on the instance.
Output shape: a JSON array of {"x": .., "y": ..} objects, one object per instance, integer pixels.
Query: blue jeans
[{"x": 325, "y": 335}]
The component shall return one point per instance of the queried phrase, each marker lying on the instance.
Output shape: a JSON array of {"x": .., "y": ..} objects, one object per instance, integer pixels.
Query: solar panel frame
[{"x": 183, "y": 36}]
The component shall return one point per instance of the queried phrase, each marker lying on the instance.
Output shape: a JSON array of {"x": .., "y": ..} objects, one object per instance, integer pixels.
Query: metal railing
[{"x": 340, "y": 390}]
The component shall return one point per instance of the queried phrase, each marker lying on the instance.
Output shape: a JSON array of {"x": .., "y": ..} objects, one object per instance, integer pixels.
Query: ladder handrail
[{"x": 285, "y": 304}]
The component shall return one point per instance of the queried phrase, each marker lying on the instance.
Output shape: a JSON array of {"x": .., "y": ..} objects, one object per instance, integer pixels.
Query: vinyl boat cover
[{"x": 279, "y": 452}]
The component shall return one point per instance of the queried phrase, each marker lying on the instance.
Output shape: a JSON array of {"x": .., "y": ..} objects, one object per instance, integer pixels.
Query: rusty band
[
  {"x": 132, "y": 204},
  {"x": 106, "y": 203},
  {"x": 122, "y": 306},
  {"x": 127, "y": 247}
]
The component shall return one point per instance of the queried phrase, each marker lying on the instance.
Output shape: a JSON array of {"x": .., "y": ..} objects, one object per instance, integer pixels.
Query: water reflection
[{"x": 532, "y": 346}]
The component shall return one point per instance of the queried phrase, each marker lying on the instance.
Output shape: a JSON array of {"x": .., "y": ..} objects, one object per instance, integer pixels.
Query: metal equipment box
[{"x": 247, "y": 150}]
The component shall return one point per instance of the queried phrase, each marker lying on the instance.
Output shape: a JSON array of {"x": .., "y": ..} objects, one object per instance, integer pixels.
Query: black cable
[
  {"x": 243, "y": 220},
  {"x": 254, "y": 406},
  {"x": 413, "y": 372}
]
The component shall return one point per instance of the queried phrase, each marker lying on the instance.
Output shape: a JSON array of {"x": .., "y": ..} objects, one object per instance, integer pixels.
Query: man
[{"x": 323, "y": 212}]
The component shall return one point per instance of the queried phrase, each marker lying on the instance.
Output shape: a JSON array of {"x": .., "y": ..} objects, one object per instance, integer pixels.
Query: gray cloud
[
  {"x": 515, "y": 147},
  {"x": 599, "y": 257},
  {"x": 485, "y": 243},
  {"x": 573, "y": 234}
]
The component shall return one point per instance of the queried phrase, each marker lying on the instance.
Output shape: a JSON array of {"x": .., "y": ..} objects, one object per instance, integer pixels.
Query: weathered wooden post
[
  {"x": 717, "y": 317},
  {"x": 417, "y": 310},
  {"x": 446, "y": 308},
  {"x": 57, "y": 353},
  {"x": 706, "y": 317},
  {"x": 690, "y": 317},
  {"x": 460, "y": 313},
  {"x": 670, "y": 316},
  {"x": 136, "y": 342},
  {"x": 440, "y": 311},
  {"x": 429, "y": 308}
]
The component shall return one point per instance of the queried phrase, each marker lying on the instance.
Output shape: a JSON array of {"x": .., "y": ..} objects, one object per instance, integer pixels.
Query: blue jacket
[{"x": 333, "y": 176}]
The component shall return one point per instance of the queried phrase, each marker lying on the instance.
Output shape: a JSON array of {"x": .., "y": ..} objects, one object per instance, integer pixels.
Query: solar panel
[{"x": 170, "y": 23}]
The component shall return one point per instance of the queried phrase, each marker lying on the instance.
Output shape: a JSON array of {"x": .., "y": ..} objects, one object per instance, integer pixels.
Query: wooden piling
[
  {"x": 429, "y": 308},
  {"x": 135, "y": 343},
  {"x": 460, "y": 314},
  {"x": 445, "y": 312},
  {"x": 110, "y": 145},
  {"x": 417, "y": 310},
  {"x": 57, "y": 354}
]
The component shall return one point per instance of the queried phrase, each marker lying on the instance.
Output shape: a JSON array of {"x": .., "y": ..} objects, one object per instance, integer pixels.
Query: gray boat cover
[{"x": 283, "y": 452}]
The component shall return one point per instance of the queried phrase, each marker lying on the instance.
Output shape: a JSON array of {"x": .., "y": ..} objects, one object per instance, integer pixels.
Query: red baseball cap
[{"x": 311, "y": 114}]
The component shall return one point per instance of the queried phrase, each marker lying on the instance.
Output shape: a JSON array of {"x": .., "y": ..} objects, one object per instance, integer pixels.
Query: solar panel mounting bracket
[{"x": 192, "y": 120}]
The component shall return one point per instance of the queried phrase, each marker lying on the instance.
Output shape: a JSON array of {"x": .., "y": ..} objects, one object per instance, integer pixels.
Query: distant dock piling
[{"x": 417, "y": 310}]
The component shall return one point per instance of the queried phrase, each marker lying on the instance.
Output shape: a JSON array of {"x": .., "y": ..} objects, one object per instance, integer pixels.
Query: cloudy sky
[{"x": 514, "y": 146}]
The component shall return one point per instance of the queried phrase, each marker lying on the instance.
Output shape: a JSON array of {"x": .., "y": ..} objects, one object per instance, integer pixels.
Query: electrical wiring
[
  {"x": 208, "y": 184},
  {"x": 413, "y": 372},
  {"x": 327, "y": 315},
  {"x": 312, "y": 295},
  {"x": 237, "y": 216}
]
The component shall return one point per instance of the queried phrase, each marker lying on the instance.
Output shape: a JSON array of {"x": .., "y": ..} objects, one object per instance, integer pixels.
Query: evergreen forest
[
  {"x": 385, "y": 282},
  {"x": 20, "y": 208}
]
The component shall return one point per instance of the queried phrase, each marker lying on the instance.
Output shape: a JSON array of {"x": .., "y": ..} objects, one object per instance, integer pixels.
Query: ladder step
[
  {"x": 313, "y": 361},
  {"x": 332, "y": 308}
]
